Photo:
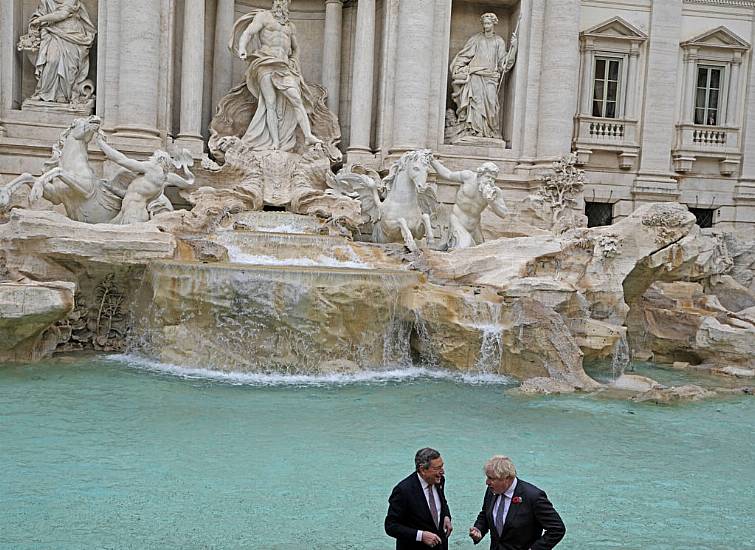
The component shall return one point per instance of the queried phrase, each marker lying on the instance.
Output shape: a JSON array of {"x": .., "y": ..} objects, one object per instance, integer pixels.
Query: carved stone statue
[
  {"x": 61, "y": 34},
  {"x": 476, "y": 192},
  {"x": 399, "y": 206},
  {"x": 152, "y": 177},
  {"x": 283, "y": 112},
  {"x": 477, "y": 73}
]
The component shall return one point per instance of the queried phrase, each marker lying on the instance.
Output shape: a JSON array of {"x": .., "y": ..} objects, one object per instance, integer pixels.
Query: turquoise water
[{"x": 96, "y": 453}]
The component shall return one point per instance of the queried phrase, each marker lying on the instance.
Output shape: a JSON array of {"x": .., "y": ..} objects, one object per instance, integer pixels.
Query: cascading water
[{"x": 621, "y": 357}]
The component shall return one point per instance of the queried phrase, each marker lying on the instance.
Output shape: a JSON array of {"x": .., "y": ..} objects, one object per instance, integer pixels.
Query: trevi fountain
[{"x": 236, "y": 332}]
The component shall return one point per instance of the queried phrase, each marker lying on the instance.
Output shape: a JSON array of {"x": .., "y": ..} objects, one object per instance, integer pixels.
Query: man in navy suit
[
  {"x": 418, "y": 515},
  {"x": 517, "y": 514}
]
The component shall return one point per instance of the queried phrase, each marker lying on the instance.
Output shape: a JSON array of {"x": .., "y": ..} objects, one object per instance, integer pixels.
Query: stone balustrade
[
  {"x": 716, "y": 142},
  {"x": 607, "y": 134}
]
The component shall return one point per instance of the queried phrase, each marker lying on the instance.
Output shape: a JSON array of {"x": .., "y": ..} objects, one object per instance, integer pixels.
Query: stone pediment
[
  {"x": 720, "y": 37},
  {"x": 616, "y": 28}
]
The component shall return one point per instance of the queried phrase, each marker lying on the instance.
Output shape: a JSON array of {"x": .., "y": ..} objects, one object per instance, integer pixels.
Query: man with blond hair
[{"x": 518, "y": 515}]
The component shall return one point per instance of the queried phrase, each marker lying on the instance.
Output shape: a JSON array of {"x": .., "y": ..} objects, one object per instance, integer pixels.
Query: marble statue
[
  {"x": 477, "y": 73},
  {"x": 61, "y": 34},
  {"x": 476, "y": 192},
  {"x": 152, "y": 176},
  {"x": 283, "y": 99},
  {"x": 404, "y": 213}
]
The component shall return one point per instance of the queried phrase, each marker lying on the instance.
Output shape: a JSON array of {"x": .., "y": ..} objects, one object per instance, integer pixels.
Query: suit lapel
[
  {"x": 489, "y": 509},
  {"x": 422, "y": 500},
  {"x": 514, "y": 508}
]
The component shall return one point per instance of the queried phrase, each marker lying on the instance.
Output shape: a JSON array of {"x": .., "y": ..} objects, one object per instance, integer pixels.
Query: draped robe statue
[
  {"x": 477, "y": 72},
  {"x": 61, "y": 33}
]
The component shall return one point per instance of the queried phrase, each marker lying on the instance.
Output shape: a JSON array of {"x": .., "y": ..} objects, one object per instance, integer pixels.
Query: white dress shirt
[
  {"x": 436, "y": 497},
  {"x": 509, "y": 494}
]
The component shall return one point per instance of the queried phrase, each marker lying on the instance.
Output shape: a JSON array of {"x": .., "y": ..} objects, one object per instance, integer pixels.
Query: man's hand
[
  {"x": 447, "y": 527},
  {"x": 242, "y": 54},
  {"x": 430, "y": 539},
  {"x": 474, "y": 534}
]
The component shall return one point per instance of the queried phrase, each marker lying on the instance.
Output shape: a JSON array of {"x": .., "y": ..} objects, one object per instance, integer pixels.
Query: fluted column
[
  {"x": 192, "y": 77},
  {"x": 362, "y": 79},
  {"x": 560, "y": 73},
  {"x": 10, "y": 60},
  {"x": 732, "y": 110},
  {"x": 141, "y": 28},
  {"x": 331, "y": 52},
  {"x": 413, "y": 74},
  {"x": 587, "y": 83},
  {"x": 531, "y": 51},
  {"x": 222, "y": 65},
  {"x": 745, "y": 192}
]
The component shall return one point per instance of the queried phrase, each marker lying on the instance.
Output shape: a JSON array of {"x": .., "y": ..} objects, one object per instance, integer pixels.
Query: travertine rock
[
  {"x": 47, "y": 246},
  {"x": 634, "y": 382},
  {"x": 545, "y": 386},
  {"x": 27, "y": 310},
  {"x": 688, "y": 392}
]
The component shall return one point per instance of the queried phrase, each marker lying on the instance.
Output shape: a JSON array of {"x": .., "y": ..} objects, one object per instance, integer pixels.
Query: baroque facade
[{"x": 655, "y": 97}]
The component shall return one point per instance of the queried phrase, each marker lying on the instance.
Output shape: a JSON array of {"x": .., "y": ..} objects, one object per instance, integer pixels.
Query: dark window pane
[
  {"x": 596, "y": 109},
  {"x": 702, "y": 77},
  {"x": 598, "y": 89},
  {"x": 700, "y": 99},
  {"x": 600, "y": 68},
  {"x": 703, "y": 216},
  {"x": 613, "y": 90},
  {"x": 598, "y": 213},
  {"x": 613, "y": 70},
  {"x": 713, "y": 99},
  {"x": 611, "y": 109},
  {"x": 699, "y": 116},
  {"x": 715, "y": 78}
]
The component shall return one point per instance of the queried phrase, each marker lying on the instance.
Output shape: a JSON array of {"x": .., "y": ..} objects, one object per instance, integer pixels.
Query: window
[
  {"x": 606, "y": 87},
  {"x": 708, "y": 95},
  {"x": 703, "y": 216},
  {"x": 598, "y": 213}
]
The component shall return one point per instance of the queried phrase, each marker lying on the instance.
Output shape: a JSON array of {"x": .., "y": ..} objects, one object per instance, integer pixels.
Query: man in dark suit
[
  {"x": 418, "y": 515},
  {"x": 518, "y": 515}
]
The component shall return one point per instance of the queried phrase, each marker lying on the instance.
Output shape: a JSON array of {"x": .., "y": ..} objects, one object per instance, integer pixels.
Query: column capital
[{"x": 333, "y": 2}]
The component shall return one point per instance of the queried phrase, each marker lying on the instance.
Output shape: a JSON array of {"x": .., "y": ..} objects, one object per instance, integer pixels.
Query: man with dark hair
[{"x": 418, "y": 515}]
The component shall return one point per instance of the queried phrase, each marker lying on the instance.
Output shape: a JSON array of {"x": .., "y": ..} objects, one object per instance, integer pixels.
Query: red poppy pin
[{"x": 516, "y": 500}]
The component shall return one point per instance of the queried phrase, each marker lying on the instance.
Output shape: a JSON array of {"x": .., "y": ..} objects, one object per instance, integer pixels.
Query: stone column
[
  {"x": 331, "y": 52},
  {"x": 732, "y": 110},
  {"x": 222, "y": 65},
  {"x": 587, "y": 90},
  {"x": 362, "y": 80},
  {"x": 559, "y": 76},
  {"x": 531, "y": 48},
  {"x": 690, "y": 85},
  {"x": 413, "y": 74},
  {"x": 10, "y": 60},
  {"x": 744, "y": 196},
  {"x": 655, "y": 180},
  {"x": 630, "y": 105},
  {"x": 141, "y": 29},
  {"x": 192, "y": 78}
]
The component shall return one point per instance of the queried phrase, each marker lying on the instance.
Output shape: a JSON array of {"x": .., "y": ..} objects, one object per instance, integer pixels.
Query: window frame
[
  {"x": 620, "y": 100},
  {"x": 723, "y": 93}
]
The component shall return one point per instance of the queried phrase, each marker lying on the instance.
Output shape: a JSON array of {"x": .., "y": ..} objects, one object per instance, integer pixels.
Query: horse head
[
  {"x": 414, "y": 165},
  {"x": 81, "y": 130}
]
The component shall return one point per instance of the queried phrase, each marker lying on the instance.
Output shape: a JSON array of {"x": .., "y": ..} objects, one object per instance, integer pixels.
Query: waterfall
[{"x": 621, "y": 356}]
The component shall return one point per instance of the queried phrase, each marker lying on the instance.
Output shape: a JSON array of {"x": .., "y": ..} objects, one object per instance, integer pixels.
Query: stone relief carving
[
  {"x": 60, "y": 35},
  {"x": 134, "y": 194},
  {"x": 400, "y": 205},
  {"x": 476, "y": 192},
  {"x": 477, "y": 73},
  {"x": 558, "y": 193}
]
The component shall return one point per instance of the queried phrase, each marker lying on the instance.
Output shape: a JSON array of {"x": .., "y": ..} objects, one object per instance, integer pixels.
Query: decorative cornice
[{"x": 734, "y": 3}]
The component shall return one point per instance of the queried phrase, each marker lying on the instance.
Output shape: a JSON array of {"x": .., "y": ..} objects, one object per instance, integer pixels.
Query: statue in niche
[
  {"x": 61, "y": 34},
  {"x": 477, "y": 73},
  {"x": 280, "y": 111},
  {"x": 476, "y": 192}
]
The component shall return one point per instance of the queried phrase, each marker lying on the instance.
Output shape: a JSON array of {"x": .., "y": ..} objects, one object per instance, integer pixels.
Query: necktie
[
  {"x": 431, "y": 502},
  {"x": 499, "y": 514}
]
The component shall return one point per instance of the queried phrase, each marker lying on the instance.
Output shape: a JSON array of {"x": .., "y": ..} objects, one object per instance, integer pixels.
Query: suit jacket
[
  {"x": 525, "y": 521},
  {"x": 408, "y": 513}
]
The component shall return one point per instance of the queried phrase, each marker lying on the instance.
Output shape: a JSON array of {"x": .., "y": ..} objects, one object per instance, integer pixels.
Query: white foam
[
  {"x": 238, "y": 257},
  {"x": 397, "y": 374}
]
